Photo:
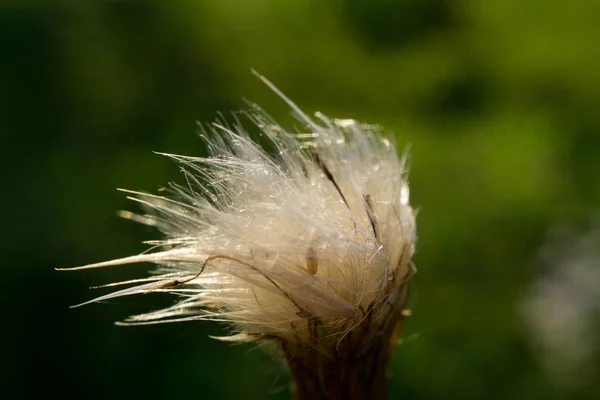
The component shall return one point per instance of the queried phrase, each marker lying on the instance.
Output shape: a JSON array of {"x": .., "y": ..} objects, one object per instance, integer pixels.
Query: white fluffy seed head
[{"x": 303, "y": 244}]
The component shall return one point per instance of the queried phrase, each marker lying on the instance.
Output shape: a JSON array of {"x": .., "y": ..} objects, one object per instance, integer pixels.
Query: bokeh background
[{"x": 499, "y": 100}]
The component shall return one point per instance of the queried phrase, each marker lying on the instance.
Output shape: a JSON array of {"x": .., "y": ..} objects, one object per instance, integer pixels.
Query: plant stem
[{"x": 356, "y": 370}]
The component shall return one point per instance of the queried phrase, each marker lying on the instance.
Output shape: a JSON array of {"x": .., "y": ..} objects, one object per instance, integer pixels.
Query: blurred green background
[{"x": 499, "y": 100}]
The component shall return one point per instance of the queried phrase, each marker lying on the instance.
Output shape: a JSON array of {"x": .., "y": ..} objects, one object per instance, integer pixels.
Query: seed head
[{"x": 307, "y": 246}]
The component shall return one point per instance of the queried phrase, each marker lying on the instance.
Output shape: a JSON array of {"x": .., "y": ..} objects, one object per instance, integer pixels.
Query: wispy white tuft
[{"x": 318, "y": 233}]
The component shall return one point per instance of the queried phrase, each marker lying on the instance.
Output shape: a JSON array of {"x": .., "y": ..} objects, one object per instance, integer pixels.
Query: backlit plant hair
[{"x": 307, "y": 247}]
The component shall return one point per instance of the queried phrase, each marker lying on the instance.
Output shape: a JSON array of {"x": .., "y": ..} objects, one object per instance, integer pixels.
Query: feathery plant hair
[{"x": 308, "y": 248}]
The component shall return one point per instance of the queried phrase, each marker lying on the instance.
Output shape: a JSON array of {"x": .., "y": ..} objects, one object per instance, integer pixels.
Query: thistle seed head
[{"x": 307, "y": 246}]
